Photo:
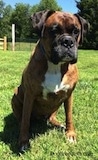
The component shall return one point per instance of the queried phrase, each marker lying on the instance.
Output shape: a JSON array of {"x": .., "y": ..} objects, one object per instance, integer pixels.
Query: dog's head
[{"x": 60, "y": 34}]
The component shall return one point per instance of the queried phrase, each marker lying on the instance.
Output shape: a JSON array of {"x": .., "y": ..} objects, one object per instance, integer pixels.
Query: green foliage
[
  {"x": 5, "y": 13},
  {"x": 48, "y": 4},
  {"x": 20, "y": 15},
  {"x": 51, "y": 144},
  {"x": 21, "y": 18},
  {"x": 1, "y": 8},
  {"x": 89, "y": 10},
  {"x": 5, "y": 28}
]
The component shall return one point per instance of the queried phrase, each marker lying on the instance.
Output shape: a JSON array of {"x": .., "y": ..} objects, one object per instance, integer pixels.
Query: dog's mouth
[
  {"x": 64, "y": 50},
  {"x": 64, "y": 56}
]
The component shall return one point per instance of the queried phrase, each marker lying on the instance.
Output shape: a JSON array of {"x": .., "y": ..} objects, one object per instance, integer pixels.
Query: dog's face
[{"x": 60, "y": 34}]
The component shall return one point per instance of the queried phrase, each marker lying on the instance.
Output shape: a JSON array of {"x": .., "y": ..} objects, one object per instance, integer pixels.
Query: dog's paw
[
  {"x": 24, "y": 147},
  {"x": 62, "y": 87},
  {"x": 71, "y": 136}
]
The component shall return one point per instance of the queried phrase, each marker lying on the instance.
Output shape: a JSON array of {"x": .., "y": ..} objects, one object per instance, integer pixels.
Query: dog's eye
[
  {"x": 73, "y": 30},
  {"x": 76, "y": 31},
  {"x": 54, "y": 29}
]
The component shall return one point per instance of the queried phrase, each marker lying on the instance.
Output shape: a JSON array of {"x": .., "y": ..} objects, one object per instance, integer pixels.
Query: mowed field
[{"x": 50, "y": 143}]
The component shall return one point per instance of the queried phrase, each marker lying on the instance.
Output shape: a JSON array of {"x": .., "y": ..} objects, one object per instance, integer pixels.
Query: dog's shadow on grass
[{"x": 10, "y": 132}]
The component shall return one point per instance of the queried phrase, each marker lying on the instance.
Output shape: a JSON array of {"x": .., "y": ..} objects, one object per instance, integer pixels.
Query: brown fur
[{"x": 28, "y": 98}]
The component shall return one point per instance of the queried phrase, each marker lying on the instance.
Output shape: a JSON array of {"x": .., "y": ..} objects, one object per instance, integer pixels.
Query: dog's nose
[{"x": 68, "y": 42}]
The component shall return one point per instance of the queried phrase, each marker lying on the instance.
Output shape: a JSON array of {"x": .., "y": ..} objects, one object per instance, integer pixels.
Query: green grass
[
  {"x": 51, "y": 144},
  {"x": 21, "y": 46}
]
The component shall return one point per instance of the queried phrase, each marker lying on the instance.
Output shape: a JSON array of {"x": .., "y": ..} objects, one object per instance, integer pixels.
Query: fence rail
[
  {"x": 22, "y": 44},
  {"x": 3, "y": 43}
]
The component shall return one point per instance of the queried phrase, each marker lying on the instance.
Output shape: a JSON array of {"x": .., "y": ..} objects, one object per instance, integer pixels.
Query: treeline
[
  {"x": 20, "y": 16},
  {"x": 89, "y": 10}
]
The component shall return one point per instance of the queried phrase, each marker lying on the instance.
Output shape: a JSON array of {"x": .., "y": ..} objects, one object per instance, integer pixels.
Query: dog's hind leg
[
  {"x": 53, "y": 120},
  {"x": 17, "y": 105}
]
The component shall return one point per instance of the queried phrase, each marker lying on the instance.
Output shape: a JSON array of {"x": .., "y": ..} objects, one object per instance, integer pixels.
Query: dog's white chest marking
[
  {"x": 52, "y": 81},
  {"x": 52, "y": 78}
]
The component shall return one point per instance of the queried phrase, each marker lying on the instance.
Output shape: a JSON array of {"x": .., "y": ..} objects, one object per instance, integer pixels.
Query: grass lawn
[{"x": 51, "y": 144}]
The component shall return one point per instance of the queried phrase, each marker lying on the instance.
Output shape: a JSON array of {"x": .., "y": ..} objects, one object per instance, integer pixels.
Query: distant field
[
  {"x": 51, "y": 144},
  {"x": 21, "y": 46}
]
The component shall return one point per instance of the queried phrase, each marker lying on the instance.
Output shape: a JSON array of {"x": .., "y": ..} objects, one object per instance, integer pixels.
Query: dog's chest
[{"x": 52, "y": 78}]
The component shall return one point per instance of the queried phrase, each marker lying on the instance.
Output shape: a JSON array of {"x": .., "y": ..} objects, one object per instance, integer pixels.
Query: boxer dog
[{"x": 51, "y": 74}]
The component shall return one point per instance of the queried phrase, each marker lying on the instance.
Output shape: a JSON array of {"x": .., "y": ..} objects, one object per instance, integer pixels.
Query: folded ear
[
  {"x": 85, "y": 26},
  {"x": 39, "y": 18}
]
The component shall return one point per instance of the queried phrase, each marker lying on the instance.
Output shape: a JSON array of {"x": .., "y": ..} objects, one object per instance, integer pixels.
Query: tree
[
  {"x": 48, "y": 4},
  {"x": 21, "y": 18},
  {"x": 5, "y": 24},
  {"x": 5, "y": 13},
  {"x": 2, "y": 4},
  {"x": 44, "y": 5},
  {"x": 89, "y": 10},
  {"x": 1, "y": 15}
]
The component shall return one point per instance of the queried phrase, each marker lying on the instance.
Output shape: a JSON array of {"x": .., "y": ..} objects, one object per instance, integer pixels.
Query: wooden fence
[{"x": 3, "y": 43}]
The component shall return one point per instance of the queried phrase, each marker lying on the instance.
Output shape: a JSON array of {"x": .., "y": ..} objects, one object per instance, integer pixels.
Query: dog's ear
[
  {"x": 85, "y": 26},
  {"x": 38, "y": 20}
]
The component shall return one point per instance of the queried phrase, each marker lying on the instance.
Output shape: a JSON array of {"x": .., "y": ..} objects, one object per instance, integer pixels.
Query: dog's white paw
[
  {"x": 63, "y": 126},
  {"x": 71, "y": 137},
  {"x": 71, "y": 140}
]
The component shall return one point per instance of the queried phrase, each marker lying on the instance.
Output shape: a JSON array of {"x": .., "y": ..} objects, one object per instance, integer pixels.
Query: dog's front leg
[
  {"x": 70, "y": 132},
  {"x": 25, "y": 122}
]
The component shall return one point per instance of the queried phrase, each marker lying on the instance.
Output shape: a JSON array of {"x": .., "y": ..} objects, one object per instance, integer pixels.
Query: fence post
[
  {"x": 5, "y": 43},
  {"x": 13, "y": 37}
]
